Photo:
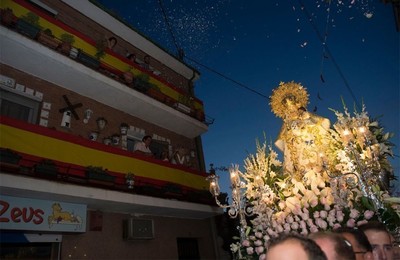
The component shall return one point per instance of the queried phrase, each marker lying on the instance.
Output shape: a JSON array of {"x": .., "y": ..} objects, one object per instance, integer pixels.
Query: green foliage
[
  {"x": 31, "y": 18},
  {"x": 96, "y": 170},
  {"x": 101, "y": 48},
  {"x": 48, "y": 32},
  {"x": 68, "y": 38}
]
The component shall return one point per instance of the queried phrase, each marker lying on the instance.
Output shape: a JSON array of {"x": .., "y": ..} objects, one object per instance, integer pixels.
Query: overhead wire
[
  {"x": 171, "y": 32},
  {"x": 228, "y": 78},
  {"x": 312, "y": 23}
]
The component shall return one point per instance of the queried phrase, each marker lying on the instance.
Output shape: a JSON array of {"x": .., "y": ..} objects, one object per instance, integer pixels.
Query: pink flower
[
  {"x": 362, "y": 222},
  {"x": 286, "y": 227},
  {"x": 295, "y": 226},
  {"x": 314, "y": 202},
  {"x": 246, "y": 243},
  {"x": 270, "y": 231},
  {"x": 258, "y": 243},
  {"x": 304, "y": 216},
  {"x": 304, "y": 232},
  {"x": 321, "y": 223},
  {"x": 336, "y": 226},
  {"x": 258, "y": 235},
  {"x": 331, "y": 218},
  {"x": 339, "y": 216},
  {"x": 262, "y": 257},
  {"x": 259, "y": 249},
  {"x": 351, "y": 223},
  {"x": 354, "y": 213},
  {"x": 313, "y": 229},
  {"x": 323, "y": 214},
  {"x": 368, "y": 214},
  {"x": 279, "y": 228},
  {"x": 303, "y": 224},
  {"x": 289, "y": 219}
]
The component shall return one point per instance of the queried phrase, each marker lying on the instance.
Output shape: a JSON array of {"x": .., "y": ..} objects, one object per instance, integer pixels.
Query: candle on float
[{"x": 234, "y": 176}]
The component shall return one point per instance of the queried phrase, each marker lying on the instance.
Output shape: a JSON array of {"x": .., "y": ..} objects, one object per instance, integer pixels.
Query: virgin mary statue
[{"x": 304, "y": 137}]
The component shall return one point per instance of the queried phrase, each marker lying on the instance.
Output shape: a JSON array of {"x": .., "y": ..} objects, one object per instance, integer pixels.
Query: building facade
[{"x": 79, "y": 89}]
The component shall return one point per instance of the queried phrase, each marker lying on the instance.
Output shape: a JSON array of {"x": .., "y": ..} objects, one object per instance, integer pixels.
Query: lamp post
[{"x": 239, "y": 205}]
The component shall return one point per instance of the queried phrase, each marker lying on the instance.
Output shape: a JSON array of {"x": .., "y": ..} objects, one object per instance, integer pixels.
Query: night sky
[{"x": 338, "y": 50}]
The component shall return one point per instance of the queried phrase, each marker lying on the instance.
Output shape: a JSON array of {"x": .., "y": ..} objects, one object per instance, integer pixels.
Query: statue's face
[
  {"x": 290, "y": 102},
  {"x": 292, "y": 107}
]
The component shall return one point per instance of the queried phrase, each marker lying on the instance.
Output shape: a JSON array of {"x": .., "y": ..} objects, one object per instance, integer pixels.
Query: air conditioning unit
[{"x": 136, "y": 229}]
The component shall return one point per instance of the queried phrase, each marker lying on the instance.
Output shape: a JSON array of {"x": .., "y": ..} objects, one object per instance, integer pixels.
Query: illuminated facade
[{"x": 72, "y": 108}]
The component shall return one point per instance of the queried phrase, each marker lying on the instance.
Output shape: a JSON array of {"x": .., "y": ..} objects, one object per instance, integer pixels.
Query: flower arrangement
[{"x": 343, "y": 193}]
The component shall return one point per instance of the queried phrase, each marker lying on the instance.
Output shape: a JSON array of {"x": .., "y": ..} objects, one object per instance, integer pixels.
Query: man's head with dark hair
[
  {"x": 379, "y": 238},
  {"x": 334, "y": 246},
  {"x": 359, "y": 241},
  {"x": 146, "y": 137},
  {"x": 294, "y": 246}
]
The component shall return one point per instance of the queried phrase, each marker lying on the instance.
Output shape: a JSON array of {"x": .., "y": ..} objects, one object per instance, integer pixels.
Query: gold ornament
[{"x": 292, "y": 91}]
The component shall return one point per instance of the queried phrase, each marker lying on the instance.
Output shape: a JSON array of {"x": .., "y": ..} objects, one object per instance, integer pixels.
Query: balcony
[
  {"x": 160, "y": 187},
  {"x": 101, "y": 83}
]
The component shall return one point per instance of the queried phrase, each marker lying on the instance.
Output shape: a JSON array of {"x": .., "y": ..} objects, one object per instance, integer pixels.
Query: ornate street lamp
[{"x": 239, "y": 205}]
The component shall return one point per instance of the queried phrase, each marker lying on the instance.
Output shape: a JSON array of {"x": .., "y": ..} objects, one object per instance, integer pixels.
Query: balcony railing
[
  {"x": 39, "y": 152},
  {"x": 111, "y": 64}
]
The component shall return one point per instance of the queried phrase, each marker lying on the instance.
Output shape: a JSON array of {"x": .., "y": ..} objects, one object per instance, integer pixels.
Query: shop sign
[{"x": 41, "y": 215}]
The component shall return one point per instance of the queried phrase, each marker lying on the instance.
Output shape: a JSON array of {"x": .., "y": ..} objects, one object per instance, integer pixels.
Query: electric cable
[
  {"x": 228, "y": 78},
  {"x": 311, "y": 21}
]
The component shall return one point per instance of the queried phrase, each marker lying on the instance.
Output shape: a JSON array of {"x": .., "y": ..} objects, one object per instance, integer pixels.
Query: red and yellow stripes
[{"x": 42, "y": 142}]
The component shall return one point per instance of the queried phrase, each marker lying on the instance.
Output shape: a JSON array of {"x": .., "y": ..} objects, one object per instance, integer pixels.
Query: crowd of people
[{"x": 369, "y": 241}]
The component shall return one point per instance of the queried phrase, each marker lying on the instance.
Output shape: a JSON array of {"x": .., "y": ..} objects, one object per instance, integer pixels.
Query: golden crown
[{"x": 284, "y": 91}]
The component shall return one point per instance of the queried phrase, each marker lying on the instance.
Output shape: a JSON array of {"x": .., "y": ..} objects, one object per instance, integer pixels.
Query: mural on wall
[{"x": 68, "y": 111}]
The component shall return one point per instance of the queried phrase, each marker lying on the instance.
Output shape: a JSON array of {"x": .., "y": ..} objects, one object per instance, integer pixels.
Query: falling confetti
[{"x": 368, "y": 15}]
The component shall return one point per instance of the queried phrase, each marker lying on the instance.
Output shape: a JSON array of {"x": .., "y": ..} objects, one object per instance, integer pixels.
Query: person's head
[
  {"x": 359, "y": 241},
  {"x": 334, "y": 246},
  {"x": 147, "y": 59},
  {"x": 294, "y": 246},
  {"x": 112, "y": 41},
  {"x": 147, "y": 140},
  {"x": 131, "y": 57},
  {"x": 379, "y": 238}
]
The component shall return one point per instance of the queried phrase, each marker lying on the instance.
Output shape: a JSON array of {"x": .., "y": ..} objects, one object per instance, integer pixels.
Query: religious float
[{"x": 330, "y": 177}]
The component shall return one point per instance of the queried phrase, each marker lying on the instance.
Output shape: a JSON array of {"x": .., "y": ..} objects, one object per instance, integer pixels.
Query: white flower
[
  {"x": 249, "y": 250},
  {"x": 235, "y": 247}
]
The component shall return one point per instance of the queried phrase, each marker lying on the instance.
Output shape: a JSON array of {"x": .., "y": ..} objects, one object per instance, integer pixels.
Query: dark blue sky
[{"x": 261, "y": 43}]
